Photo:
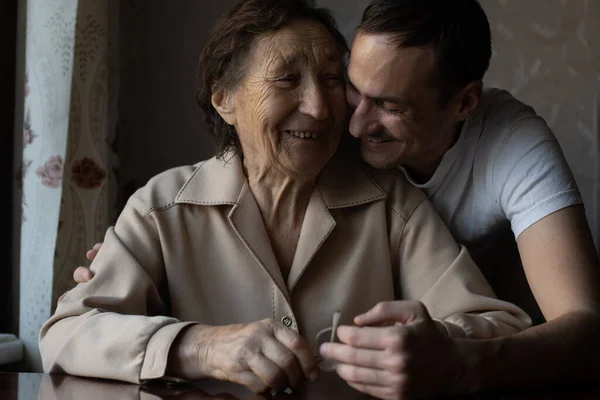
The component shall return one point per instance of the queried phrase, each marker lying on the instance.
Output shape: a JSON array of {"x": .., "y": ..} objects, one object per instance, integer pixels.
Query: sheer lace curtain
[{"x": 66, "y": 117}]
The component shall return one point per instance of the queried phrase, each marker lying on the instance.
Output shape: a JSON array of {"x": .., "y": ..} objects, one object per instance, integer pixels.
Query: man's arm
[
  {"x": 563, "y": 270},
  {"x": 83, "y": 274},
  {"x": 561, "y": 263},
  {"x": 397, "y": 347}
]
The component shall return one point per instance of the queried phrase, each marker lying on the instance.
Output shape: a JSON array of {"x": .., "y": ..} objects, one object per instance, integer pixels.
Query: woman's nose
[{"x": 314, "y": 103}]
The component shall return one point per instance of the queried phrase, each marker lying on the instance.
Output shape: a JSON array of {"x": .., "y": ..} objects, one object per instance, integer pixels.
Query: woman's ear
[{"x": 222, "y": 101}]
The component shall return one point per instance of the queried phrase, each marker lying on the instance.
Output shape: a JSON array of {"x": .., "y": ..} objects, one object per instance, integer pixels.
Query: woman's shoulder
[
  {"x": 402, "y": 196},
  {"x": 162, "y": 189},
  {"x": 350, "y": 181}
]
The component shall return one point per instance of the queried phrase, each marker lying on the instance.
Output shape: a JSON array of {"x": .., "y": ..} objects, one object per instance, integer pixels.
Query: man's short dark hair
[
  {"x": 224, "y": 59},
  {"x": 458, "y": 31}
]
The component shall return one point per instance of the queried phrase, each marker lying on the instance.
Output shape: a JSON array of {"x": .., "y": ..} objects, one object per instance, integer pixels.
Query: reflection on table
[
  {"x": 23, "y": 386},
  {"x": 43, "y": 386}
]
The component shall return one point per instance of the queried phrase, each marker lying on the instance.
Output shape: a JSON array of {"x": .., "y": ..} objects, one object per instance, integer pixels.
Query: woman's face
[{"x": 289, "y": 109}]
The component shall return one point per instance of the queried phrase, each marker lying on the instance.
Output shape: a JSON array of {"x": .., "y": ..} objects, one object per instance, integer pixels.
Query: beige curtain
[
  {"x": 89, "y": 189},
  {"x": 68, "y": 126}
]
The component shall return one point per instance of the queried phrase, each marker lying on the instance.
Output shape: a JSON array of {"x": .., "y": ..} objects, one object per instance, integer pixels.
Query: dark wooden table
[{"x": 25, "y": 386}]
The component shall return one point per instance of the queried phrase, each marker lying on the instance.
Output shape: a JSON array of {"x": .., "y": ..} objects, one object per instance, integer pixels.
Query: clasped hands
[{"x": 394, "y": 350}]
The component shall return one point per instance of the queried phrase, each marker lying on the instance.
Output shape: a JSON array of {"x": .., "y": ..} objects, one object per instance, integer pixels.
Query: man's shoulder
[
  {"x": 501, "y": 108},
  {"x": 502, "y": 119}
]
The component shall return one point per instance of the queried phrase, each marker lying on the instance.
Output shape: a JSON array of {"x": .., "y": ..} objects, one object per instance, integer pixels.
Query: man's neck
[{"x": 422, "y": 171}]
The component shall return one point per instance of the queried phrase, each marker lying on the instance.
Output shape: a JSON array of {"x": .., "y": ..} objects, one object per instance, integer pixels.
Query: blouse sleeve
[
  {"x": 111, "y": 327},
  {"x": 441, "y": 274}
]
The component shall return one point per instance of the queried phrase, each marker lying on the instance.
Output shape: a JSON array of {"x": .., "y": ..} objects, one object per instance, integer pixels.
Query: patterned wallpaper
[{"x": 547, "y": 54}]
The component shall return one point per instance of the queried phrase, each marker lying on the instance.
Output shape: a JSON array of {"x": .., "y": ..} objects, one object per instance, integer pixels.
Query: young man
[{"x": 489, "y": 165}]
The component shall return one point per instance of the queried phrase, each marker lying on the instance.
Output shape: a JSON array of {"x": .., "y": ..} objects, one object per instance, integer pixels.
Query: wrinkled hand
[
  {"x": 83, "y": 274},
  {"x": 395, "y": 350},
  {"x": 260, "y": 355}
]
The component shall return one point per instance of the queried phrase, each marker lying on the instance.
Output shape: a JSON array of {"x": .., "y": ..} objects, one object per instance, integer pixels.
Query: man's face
[{"x": 396, "y": 108}]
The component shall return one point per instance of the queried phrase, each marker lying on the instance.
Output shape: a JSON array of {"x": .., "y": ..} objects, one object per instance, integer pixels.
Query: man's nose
[{"x": 361, "y": 122}]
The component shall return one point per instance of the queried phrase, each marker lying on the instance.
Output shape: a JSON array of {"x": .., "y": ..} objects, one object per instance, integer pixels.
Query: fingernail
[
  {"x": 313, "y": 376},
  {"x": 323, "y": 349}
]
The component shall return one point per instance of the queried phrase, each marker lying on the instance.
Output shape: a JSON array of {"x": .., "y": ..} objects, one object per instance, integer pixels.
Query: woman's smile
[{"x": 303, "y": 134}]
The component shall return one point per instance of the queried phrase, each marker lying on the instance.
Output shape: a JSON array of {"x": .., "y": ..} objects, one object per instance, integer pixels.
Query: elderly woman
[{"x": 228, "y": 269}]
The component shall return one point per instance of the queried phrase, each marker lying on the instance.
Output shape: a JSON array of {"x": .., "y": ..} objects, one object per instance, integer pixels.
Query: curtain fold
[
  {"x": 68, "y": 117},
  {"x": 88, "y": 190}
]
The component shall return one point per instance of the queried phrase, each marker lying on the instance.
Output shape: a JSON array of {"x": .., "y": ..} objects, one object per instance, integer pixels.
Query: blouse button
[{"x": 287, "y": 321}]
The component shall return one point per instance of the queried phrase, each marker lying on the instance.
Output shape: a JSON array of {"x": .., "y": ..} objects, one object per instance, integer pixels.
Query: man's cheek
[{"x": 353, "y": 99}]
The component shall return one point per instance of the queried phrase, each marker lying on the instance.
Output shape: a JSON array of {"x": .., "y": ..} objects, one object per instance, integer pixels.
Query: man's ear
[
  {"x": 222, "y": 100},
  {"x": 468, "y": 100}
]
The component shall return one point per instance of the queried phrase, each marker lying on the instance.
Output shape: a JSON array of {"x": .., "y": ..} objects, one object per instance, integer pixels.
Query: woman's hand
[
  {"x": 260, "y": 355},
  {"x": 83, "y": 274},
  {"x": 396, "y": 349}
]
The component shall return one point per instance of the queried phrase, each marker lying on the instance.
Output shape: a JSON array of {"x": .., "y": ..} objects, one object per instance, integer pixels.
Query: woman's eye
[
  {"x": 333, "y": 79},
  {"x": 287, "y": 79}
]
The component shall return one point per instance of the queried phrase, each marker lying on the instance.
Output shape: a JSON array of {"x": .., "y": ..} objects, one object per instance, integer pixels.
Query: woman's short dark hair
[
  {"x": 458, "y": 31},
  {"x": 223, "y": 61}
]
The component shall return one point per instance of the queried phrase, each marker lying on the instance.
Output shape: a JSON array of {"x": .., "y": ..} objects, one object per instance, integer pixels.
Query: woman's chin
[
  {"x": 307, "y": 166},
  {"x": 307, "y": 160}
]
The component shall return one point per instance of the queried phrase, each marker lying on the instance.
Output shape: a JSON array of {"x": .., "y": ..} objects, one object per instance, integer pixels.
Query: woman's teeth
[{"x": 304, "y": 135}]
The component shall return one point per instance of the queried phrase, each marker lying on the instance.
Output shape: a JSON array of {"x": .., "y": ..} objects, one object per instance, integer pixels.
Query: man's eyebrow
[
  {"x": 396, "y": 100},
  {"x": 388, "y": 99}
]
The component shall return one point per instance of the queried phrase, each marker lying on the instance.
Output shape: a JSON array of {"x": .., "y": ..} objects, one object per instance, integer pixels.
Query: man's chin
[{"x": 379, "y": 160}]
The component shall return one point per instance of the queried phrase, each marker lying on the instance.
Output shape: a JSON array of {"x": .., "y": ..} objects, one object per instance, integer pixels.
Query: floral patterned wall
[{"x": 547, "y": 54}]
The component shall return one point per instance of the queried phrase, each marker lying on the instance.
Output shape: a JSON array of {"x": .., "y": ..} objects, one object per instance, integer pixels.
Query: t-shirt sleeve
[{"x": 531, "y": 177}]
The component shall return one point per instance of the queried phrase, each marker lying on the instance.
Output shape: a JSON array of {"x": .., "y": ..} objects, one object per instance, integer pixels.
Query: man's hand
[
  {"x": 83, "y": 274},
  {"x": 395, "y": 350}
]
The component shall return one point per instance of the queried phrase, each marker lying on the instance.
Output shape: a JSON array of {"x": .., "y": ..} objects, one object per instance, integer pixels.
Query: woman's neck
[
  {"x": 282, "y": 201},
  {"x": 282, "y": 198}
]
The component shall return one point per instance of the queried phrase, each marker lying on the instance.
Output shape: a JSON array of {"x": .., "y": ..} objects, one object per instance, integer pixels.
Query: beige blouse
[{"x": 191, "y": 247}]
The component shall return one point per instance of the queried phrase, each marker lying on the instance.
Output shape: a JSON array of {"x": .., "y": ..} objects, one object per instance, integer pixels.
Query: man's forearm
[{"x": 566, "y": 349}]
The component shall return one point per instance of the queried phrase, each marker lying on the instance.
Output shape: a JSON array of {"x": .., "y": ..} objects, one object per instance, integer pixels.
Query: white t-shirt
[{"x": 505, "y": 172}]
